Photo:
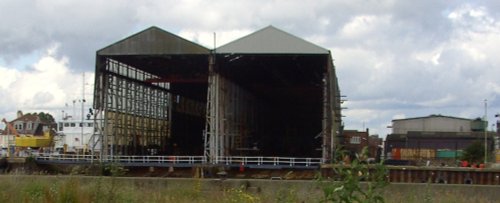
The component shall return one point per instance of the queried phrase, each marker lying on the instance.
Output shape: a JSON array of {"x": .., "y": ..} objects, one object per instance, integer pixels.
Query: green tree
[
  {"x": 474, "y": 153},
  {"x": 46, "y": 117}
]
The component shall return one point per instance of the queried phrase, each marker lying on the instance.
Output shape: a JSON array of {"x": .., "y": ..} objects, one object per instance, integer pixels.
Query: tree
[
  {"x": 474, "y": 153},
  {"x": 46, "y": 117}
]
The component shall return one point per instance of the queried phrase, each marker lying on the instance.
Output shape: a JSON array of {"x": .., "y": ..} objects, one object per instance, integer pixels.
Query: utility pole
[{"x": 486, "y": 131}]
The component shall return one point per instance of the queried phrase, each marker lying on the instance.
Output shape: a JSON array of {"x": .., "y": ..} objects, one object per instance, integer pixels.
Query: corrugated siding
[
  {"x": 153, "y": 41},
  {"x": 271, "y": 40}
]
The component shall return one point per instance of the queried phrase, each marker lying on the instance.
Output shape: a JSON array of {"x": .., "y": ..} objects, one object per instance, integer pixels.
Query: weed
[
  {"x": 238, "y": 195},
  {"x": 33, "y": 192},
  {"x": 287, "y": 196},
  {"x": 347, "y": 186}
]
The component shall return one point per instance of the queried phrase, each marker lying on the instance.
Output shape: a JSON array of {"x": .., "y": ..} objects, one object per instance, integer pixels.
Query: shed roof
[
  {"x": 153, "y": 41},
  {"x": 432, "y": 116},
  {"x": 271, "y": 40}
]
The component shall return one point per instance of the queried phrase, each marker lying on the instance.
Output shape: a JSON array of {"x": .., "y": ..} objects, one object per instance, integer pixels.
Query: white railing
[
  {"x": 223, "y": 160},
  {"x": 124, "y": 159},
  {"x": 266, "y": 161}
]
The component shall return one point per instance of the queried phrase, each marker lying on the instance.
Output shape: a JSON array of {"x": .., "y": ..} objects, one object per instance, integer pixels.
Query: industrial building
[
  {"x": 434, "y": 137},
  {"x": 269, "y": 93},
  {"x": 354, "y": 141}
]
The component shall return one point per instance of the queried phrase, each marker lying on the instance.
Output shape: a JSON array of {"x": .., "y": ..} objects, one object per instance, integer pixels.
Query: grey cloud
[{"x": 377, "y": 70}]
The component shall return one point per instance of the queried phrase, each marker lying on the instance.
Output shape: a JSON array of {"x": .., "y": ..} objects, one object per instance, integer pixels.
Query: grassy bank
[{"x": 21, "y": 188}]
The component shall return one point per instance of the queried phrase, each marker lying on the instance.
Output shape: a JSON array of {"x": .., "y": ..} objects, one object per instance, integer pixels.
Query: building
[
  {"x": 29, "y": 124},
  {"x": 354, "y": 140},
  {"x": 26, "y": 124},
  {"x": 434, "y": 137},
  {"x": 375, "y": 147},
  {"x": 269, "y": 93}
]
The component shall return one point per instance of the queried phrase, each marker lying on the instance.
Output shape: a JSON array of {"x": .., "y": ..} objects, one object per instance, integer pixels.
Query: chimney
[{"x": 19, "y": 114}]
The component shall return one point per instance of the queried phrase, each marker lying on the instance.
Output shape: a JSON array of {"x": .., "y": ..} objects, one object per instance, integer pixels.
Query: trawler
[{"x": 76, "y": 135}]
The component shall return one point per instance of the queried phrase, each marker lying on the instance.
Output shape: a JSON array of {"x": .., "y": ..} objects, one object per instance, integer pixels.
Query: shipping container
[
  {"x": 413, "y": 154},
  {"x": 396, "y": 153},
  {"x": 445, "y": 153}
]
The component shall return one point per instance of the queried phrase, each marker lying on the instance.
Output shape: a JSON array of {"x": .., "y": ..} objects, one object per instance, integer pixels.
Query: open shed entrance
[{"x": 266, "y": 94}]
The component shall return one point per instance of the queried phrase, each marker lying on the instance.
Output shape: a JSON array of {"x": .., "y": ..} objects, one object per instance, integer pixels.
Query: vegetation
[
  {"x": 44, "y": 117},
  {"x": 347, "y": 186},
  {"x": 474, "y": 153},
  {"x": 82, "y": 189}
]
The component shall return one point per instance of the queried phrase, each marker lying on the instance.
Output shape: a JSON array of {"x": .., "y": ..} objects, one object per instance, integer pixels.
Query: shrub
[{"x": 347, "y": 185}]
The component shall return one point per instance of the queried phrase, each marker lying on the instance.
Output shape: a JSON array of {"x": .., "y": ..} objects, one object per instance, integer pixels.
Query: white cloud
[
  {"x": 364, "y": 25},
  {"x": 429, "y": 56},
  {"x": 393, "y": 58},
  {"x": 207, "y": 38},
  {"x": 47, "y": 86},
  {"x": 399, "y": 116}
]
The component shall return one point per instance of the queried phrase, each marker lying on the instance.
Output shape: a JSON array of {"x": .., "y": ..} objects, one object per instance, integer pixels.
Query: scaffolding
[
  {"x": 158, "y": 94},
  {"x": 230, "y": 118},
  {"x": 134, "y": 115}
]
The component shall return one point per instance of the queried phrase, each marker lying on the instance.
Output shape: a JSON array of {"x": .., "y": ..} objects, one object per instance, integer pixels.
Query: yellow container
[
  {"x": 34, "y": 141},
  {"x": 498, "y": 156}
]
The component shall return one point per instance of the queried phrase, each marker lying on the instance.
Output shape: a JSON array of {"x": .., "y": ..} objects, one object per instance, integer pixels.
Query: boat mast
[{"x": 82, "y": 117}]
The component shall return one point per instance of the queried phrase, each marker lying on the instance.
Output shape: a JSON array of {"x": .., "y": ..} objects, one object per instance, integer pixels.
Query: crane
[{"x": 10, "y": 127}]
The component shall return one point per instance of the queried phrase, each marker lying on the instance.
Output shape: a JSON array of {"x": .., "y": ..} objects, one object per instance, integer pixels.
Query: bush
[
  {"x": 474, "y": 153},
  {"x": 347, "y": 185}
]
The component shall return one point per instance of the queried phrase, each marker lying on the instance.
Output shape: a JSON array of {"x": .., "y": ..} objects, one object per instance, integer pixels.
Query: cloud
[
  {"x": 393, "y": 58},
  {"x": 47, "y": 86},
  {"x": 207, "y": 38}
]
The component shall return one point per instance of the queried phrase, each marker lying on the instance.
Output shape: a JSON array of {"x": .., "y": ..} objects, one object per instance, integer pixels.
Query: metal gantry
[
  {"x": 133, "y": 115},
  {"x": 154, "y": 90},
  {"x": 230, "y": 117}
]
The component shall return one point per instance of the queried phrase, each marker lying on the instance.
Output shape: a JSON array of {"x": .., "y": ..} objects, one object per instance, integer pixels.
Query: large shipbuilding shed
[{"x": 266, "y": 94}]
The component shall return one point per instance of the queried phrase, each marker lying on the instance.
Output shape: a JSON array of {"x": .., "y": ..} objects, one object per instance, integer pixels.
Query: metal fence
[{"x": 184, "y": 161}]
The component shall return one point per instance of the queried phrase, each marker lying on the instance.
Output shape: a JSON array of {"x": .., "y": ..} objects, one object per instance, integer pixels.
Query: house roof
[
  {"x": 153, "y": 41},
  {"x": 271, "y": 40},
  {"x": 432, "y": 116},
  {"x": 26, "y": 118}
]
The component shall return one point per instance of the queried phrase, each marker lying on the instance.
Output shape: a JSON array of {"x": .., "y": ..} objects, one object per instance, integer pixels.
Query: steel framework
[
  {"x": 134, "y": 115},
  {"x": 231, "y": 115},
  {"x": 155, "y": 91}
]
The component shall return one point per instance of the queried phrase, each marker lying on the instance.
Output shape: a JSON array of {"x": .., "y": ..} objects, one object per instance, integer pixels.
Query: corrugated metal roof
[
  {"x": 153, "y": 41},
  {"x": 432, "y": 116},
  {"x": 271, "y": 40}
]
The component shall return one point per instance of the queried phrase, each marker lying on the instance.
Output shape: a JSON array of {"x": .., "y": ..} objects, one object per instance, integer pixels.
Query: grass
[
  {"x": 19, "y": 188},
  {"x": 64, "y": 189}
]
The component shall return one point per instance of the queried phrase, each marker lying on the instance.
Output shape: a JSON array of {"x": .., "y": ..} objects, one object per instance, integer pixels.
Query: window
[
  {"x": 73, "y": 124},
  {"x": 355, "y": 140},
  {"x": 66, "y": 124},
  {"x": 90, "y": 124}
]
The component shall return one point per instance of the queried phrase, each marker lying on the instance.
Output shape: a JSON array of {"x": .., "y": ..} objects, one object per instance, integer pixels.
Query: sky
[{"x": 394, "y": 59}]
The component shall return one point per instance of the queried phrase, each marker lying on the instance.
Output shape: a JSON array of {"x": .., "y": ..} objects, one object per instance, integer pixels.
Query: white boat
[{"x": 75, "y": 136}]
